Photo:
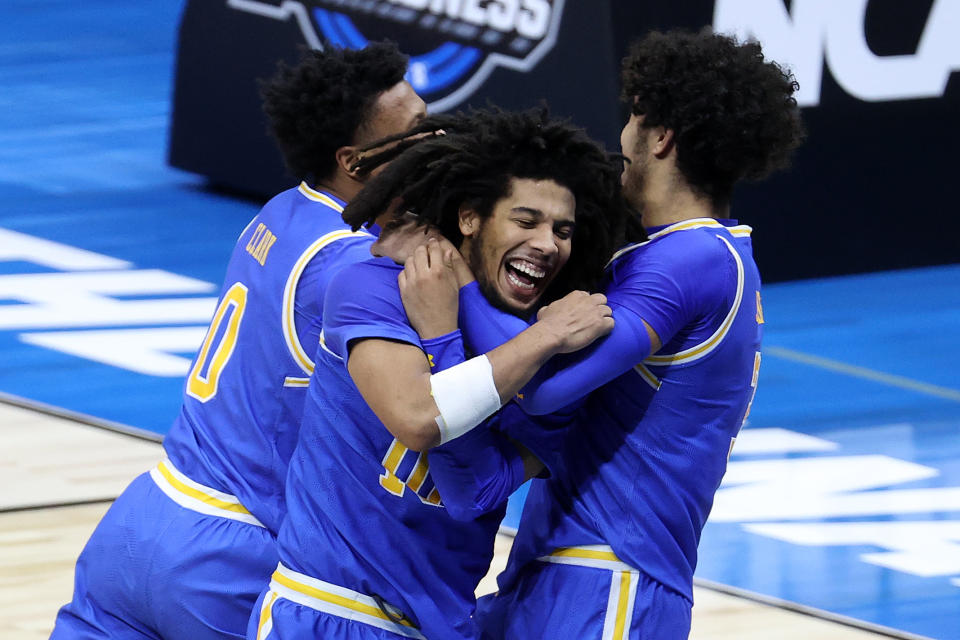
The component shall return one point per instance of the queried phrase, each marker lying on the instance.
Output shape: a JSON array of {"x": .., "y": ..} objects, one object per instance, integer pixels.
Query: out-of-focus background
[{"x": 133, "y": 152}]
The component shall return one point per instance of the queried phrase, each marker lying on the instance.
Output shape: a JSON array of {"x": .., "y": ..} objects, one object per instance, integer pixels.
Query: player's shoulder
[
  {"x": 706, "y": 247},
  {"x": 284, "y": 199},
  {"x": 366, "y": 275},
  {"x": 305, "y": 193},
  {"x": 375, "y": 268},
  {"x": 363, "y": 300},
  {"x": 296, "y": 200},
  {"x": 695, "y": 234},
  {"x": 687, "y": 248}
]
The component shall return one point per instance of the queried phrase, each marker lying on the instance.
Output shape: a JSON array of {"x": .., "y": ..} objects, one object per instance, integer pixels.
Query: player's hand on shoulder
[
  {"x": 460, "y": 268},
  {"x": 577, "y": 319},
  {"x": 429, "y": 288},
  {"x": 400, "y": 237}
]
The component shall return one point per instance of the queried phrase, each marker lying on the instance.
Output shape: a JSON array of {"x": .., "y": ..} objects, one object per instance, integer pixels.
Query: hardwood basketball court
[{"x": 66, "y": 473}]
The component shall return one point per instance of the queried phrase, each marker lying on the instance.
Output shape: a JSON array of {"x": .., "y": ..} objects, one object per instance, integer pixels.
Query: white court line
[
  {"x": 823, "y": 614},
  {"x": 862, "y": 372}
]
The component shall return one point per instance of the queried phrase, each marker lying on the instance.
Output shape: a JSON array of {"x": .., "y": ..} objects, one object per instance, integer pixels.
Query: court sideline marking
[
  {"x": 862, "y": 372},
  {"x": 803, "y": 609}
]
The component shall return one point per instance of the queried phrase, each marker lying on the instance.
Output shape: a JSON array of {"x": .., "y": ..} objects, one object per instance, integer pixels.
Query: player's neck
[
  {"x": 667, "y": 204},
  {"x": 340, "y": 185}
]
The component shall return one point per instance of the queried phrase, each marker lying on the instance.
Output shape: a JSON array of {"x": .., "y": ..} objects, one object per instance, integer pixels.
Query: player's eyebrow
[{"x": 536, "y": 213}]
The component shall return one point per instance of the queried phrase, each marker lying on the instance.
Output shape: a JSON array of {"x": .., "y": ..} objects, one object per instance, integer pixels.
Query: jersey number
[
  {"x": 416, "y": 479},
  {"x": 205, "y": 375}
]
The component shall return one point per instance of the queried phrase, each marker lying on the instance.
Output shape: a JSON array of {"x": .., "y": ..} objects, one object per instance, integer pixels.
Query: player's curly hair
[
  {"x": 473, "y": 161},
  {"x": 732, "y": 112},
  {"x": 323, "y": 102}
]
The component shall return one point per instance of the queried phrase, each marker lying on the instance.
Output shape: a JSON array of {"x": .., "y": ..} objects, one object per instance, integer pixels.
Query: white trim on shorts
[
  {"x": 623, "y": 584},
  {"x": 331, "y": 599},
  {"x": 197, "y": 497}
]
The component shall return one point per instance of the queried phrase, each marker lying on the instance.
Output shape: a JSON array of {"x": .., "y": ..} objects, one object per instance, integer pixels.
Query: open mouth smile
[{"x": 525, "y": 275}]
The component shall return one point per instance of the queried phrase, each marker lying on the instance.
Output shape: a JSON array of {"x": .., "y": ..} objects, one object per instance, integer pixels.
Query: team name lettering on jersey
[{"x": 260, "y": 243}]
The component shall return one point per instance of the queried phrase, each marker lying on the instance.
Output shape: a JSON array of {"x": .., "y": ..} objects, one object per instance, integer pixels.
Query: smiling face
[{"x": 517, "y": 250}]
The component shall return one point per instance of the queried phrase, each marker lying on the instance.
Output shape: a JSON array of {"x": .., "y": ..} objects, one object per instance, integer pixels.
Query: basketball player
[
  {"x": 185, "y": 550},
  {"x": 368, "y": 549},
  {"x": 607, "y": 546}
]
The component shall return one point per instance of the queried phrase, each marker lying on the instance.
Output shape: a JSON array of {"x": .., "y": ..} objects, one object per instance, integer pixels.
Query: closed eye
[{"x": 565, "y": 232}]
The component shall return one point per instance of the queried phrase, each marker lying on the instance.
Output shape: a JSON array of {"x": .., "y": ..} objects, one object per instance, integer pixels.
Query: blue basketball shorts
[
  {"x": 298, "y": 606},
  {"x": 584, "y": 593},
  {"x": 171, "y": 559}
]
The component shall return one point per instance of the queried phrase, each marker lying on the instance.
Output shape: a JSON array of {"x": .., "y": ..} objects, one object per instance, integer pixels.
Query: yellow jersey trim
[
  {"x": 323, "y": 345},
  {"x": 647, "y": 376},
  {"x": 182, "y": 487},
  {"x": 266, "y": 616},
  {"x": 620, "y": 602},
  {"x": 339, "y": 601},
  {"x": 623, "y": 584},
  {"x": 300, "y": 356},
  {"x": 738, "y": 231},
  {"x": 596, "y": 556},
  {"x": 586, "y": 553},
  {"x": 698, "y": 351},
  {"x": 622, "y": 595},
  {"x": 318, "y": 196},
  {"x": 333, "y": 598},
  {"x": 197, "y": 497}
]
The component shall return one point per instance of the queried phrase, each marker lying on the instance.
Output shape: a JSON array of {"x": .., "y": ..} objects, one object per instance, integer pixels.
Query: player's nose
[{"x": 543, "y": 240}]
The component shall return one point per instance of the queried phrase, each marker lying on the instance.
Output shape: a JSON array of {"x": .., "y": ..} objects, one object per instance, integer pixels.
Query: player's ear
[
  {"x": 663, "y": 141},
  {"x": 347, "y": 160},
  {"x": 469, "y": 221}
]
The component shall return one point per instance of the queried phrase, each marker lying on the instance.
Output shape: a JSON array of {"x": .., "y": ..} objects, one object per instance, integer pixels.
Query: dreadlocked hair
[{"x": 469, "y": 159}]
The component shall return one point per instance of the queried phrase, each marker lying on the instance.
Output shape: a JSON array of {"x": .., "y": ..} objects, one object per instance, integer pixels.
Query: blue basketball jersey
[
  {"x": 641, "y": 467},
  {"x": 363, "y": 511},
  {"x": 244, "y": 395}
]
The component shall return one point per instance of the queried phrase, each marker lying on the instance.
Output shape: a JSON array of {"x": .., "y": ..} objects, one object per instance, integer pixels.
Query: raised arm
[
  {"x": 569, "y": 377},
  {"x": 422, "y": 408},
  {"x": 685, "y": 281}
]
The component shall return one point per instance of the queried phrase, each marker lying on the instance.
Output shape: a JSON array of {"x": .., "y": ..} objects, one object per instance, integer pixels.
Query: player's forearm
[
  {"x": 476, "y": 474},
  {"x": 515, "y": 362},
  {"x": 570, "y": 377},
  {"x": 399, "y": 394},
  {"x": 445, "y": 405},
  {"x": 410, "y": 416},
  {"x": 469, "y": 392}
]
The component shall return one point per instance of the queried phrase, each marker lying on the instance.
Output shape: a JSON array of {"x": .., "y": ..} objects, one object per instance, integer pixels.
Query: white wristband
[{"x": 465, "y": 395}]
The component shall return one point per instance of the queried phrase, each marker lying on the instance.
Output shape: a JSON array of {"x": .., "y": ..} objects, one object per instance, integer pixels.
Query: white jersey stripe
[
  {"x": 197, "y": 497},
  {"x": 300, "y": 356},
  {"x": 707, "y": 346},
  {"x": 336, "y": 600},
  {"x": 738, "y": 231}
]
